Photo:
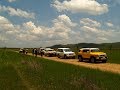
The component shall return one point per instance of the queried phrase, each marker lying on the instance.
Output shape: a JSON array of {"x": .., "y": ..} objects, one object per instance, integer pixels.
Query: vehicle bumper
[
  {"x": 101, "y": 58},
  {"x": 51, "y": 54},
  {"x": 70, "y": 56}
]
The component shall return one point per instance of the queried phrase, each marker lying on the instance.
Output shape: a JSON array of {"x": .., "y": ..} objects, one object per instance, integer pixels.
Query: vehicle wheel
[
  {"x": 104, "y": 61},
  {"x": 80, "y": 58},
  {"x": 58, "y": 56},
  {"x": 65, "y": 57},
  {"x": 92, "y": 60},
  {"x": 73, "y": 57}
]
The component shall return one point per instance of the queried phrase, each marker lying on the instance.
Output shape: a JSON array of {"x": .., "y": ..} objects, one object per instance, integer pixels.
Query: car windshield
[
  {"x": 51, "y": 50},
  {"x": 67, "y": 50},
  {"x": 95, "y": 50}
]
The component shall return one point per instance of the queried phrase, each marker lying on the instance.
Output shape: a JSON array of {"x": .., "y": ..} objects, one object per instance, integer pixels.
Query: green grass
[
  {"x": 23, "y": 72},
  {"x": 113, "y": 55}
]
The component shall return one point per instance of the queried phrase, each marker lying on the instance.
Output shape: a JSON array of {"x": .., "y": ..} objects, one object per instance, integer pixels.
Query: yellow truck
[{"x": 92, "y": 54}]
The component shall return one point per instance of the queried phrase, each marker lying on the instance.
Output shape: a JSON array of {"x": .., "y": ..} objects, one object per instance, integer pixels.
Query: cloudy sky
[{"x": 35, "y": 23}]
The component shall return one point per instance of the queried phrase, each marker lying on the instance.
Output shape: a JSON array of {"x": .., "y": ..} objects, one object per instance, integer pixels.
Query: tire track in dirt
[{"x": 110, "y": 67}]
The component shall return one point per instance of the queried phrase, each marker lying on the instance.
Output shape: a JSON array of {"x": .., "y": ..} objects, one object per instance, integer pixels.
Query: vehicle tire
[
  {"x": 65, "y": 57},
  {"x": 92, "y": 60},
  {"x": 73, "y": 57},
  {"x": 80, "y": 59},
  {"x": 104, "y": 61},
  {"x": 58, "y": 56}
]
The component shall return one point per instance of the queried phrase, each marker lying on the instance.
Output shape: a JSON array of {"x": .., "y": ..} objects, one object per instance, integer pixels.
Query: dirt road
[{"x": 114, "y": 68}]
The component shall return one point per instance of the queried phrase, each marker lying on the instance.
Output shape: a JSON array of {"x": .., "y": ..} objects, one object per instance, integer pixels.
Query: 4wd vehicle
[
  {"x": 65, "y": 53},
  {"x": 21, "y": 50},
  {"x": 49, "y": 52},
  {"x": 92, "y": 54}
]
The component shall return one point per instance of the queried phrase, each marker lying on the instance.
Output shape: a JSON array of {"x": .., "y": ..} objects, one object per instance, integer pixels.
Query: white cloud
[
  {"x": 28, "y": 32},
  {"x": 84, "y": 6},
  {"x": 90, "y": 29},
  {"x": 59, "y": 31},
  {"x": 109, "y": 24},
  {"x": 96, "y": 35},
  {"x": 7, "y": 31},
  {"x": 11, "y": 0},
  {"x": 63, "y": 24},
  {"x": 5, "y": 24},
  {"x": 61, "y": 27},
  {"x": 90, "y": 22},
  {"x": 17, "y": 12},
  {"x": 93, "y": 32},
  {"x": 63, "y": 31},
  {"x": 32, "y": 28}
]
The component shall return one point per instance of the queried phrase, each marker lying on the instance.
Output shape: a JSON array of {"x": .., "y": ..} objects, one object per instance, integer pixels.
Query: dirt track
[{"x": 114, "y": 68}]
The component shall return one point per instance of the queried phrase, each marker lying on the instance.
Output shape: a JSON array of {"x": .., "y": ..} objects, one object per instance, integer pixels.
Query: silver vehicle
[
  {"x": 65, "y": 53},
  {"x": 21, "y": 50},
  {"x": 49, "y": 52}
]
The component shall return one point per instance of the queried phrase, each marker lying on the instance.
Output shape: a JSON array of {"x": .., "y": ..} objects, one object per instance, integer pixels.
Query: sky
[{"x": 42, "y": 23}]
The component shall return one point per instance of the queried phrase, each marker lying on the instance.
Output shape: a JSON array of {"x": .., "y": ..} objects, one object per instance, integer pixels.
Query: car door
[
  {"x": 86, "y": 53},
  {"x": 58, "y": 52},
  {"x": 61, "y": 53}
]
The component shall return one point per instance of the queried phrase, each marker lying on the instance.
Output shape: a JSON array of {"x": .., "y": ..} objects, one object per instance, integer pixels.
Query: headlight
[
  {"x": 74, "y": 54},
  {"x": 67, "y": 54},
  {"x": 97, "y": 57}
]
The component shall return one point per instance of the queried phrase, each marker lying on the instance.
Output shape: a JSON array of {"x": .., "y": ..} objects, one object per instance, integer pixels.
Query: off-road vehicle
[
  {"x": 65, "y": 53},
  {"x": 91, "y": 54},
  {"x": 49, "y": 52}
]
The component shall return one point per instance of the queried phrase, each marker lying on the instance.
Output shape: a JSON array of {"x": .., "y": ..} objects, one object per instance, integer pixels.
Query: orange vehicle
[{"x": 92, "y": 54}]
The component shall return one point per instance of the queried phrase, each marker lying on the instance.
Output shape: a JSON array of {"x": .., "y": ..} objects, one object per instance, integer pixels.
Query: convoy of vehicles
[{"x": 90, "y": 54}]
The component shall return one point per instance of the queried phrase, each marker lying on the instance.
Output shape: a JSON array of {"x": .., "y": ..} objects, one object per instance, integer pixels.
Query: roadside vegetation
[
  {"x": 22, "y": 72},
  {"x": 113, "y": 55}
]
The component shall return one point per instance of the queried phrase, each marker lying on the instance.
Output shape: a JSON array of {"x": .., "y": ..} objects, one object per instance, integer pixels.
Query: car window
[
  {"x": 67, "y": 50},
  {"x": 60, "y": 50},
  {"x": 95, "y": 50},
  {"x": 80, "y": 50},
  {"x": 51, "y": 50},
  {"x": 86, "y": 50}
]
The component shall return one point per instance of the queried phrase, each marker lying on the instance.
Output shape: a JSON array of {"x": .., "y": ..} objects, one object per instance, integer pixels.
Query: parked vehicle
[
  {"x": 21, "y": 50},
  {"x": 41, "y": 50},
  {"x": 92, "y": 54},
  {"x": 65, "y": 53},
  {"x": 49, "y": 52}
]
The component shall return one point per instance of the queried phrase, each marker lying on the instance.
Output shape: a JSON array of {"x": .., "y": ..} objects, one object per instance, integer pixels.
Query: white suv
[
  {"x": 49, "y": 52},
  {"x": 65, "y": 53}
]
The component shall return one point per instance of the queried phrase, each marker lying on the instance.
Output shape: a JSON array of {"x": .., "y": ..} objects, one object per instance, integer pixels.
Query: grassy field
[
  {"x": 113, "y": 55},
  {"x": 21, "y": 72}
]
